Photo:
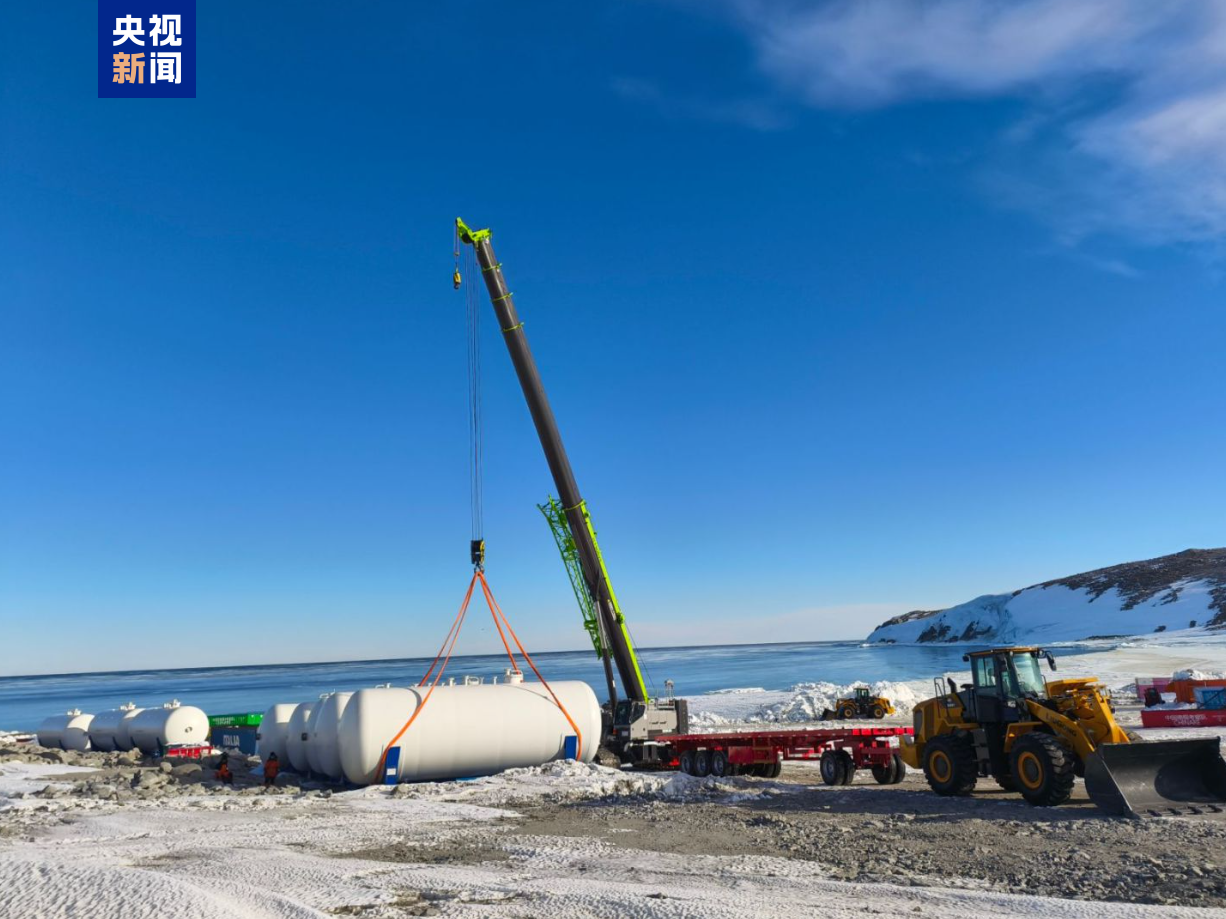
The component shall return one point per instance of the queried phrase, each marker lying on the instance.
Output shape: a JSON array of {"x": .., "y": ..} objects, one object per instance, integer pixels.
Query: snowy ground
[
  {"x": 571, "y": 840},
  {"x": 377, "y": 854}
]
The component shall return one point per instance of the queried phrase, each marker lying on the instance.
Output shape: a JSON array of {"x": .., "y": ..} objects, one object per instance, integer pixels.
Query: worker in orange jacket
[
  {"x": 223, "y": 770},
  {"x": 272, "y": 766}
]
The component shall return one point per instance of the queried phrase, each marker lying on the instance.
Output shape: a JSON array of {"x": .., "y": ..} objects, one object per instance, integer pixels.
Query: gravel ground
[
  {"x": 906, "y": 834},
  {"x": 865, "y": 833}
]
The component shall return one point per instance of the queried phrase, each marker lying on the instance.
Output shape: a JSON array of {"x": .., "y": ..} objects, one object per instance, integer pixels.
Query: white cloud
[{"x": 1128, "y": 96}]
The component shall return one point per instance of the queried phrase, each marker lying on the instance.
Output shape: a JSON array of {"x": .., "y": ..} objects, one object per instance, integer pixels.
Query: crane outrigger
[{"x": 634, "y": 720}]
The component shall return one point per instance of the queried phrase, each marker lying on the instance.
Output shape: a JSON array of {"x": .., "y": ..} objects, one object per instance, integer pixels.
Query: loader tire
[
  {"x": 878, "y": 712},
  {"x": 1043, "y": 769},
  {"x": 950, "y": 765},
  {"x": 1006, "y": 781},
  {"x": 847, "y": 712},
  {"x": 831, "y": 767}
]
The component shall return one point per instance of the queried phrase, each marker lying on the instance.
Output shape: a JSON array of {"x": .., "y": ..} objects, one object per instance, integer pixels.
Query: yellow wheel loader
[
  {"x": 1035, "y": 737},
  {"x": 860, "y": 704}
]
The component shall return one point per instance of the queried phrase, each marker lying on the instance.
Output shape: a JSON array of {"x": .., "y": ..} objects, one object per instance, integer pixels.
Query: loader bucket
[{"x": 1158, "y": 778}]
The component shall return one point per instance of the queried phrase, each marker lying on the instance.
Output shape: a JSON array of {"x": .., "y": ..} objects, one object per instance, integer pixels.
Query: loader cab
[
  {"x": 1002, "y": 679},
  {"x": 862, "y": 695}
]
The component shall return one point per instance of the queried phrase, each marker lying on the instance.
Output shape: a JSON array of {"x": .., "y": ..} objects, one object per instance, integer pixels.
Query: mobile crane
[{"x": 633, "y": 720}]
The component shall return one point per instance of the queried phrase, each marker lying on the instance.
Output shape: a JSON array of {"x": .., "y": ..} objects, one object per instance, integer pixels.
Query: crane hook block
[
  {"x": 476, "y": 551},
  {"x": 456, "y": 280}
]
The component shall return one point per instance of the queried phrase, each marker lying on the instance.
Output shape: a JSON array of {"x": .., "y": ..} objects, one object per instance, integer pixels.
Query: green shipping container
[{"x": 251, "y": 719}]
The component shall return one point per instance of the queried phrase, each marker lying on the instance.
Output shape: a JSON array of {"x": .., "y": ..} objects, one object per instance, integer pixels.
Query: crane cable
[
  {"x": 472, "y": 310},
  {"x": 445, "y": 652}
]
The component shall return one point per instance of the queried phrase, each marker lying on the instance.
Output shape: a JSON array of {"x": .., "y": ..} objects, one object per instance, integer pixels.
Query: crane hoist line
[{"x": 633, "y": 722}]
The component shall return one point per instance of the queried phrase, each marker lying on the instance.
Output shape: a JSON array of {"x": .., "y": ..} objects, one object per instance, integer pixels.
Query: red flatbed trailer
[{"x": 841, "y": 751}]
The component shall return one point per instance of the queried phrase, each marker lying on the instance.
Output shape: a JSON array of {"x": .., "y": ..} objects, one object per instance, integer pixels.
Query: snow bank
[
  {"x": 803, "y": 703},
  {"x": 1194, "y": 674}
]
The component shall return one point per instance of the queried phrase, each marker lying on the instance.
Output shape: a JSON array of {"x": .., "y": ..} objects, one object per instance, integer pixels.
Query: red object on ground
[
  {"x": 867, "y": 746},
  {"x": 1185, "y": 690},
  {"x": 1183, "y": 718},
  {"x": 189, "y": 751}
]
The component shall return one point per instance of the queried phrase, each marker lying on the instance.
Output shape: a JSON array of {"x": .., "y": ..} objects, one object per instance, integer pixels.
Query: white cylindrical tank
[
  {"x": 123, "y": 731},
  {"x": 312, "y": 726},
  {"x": 104, "y": 729},
  {"x": 296, "y": 737},
  {"x": 272, "y": 733},
  {"x": 171, "y": 725},
  {"x": 466, "y": 730},
  {"x": 323, "y": 749},
  {"x": 69, "y": 731}
]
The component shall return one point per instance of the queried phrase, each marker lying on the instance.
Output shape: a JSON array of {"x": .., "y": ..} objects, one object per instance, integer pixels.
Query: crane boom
[{"x": 611, "y": 624}]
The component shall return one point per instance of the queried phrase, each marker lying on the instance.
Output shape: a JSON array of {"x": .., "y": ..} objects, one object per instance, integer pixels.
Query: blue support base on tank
[
  {"x": 391, "y": 767},
  {"x": 570, "y": 747}
]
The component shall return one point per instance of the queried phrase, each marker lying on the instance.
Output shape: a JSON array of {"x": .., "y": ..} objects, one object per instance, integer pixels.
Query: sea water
[{"x": 27, "y": 700}]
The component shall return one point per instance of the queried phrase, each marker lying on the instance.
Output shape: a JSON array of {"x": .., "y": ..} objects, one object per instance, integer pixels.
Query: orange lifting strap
[{"x": 444, "y": 654}]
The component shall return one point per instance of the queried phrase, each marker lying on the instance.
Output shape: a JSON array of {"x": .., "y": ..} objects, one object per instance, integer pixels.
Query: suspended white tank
[
  {"x": 323, "y": 749},
  {"x": 271, "y": 735},
  {"x": 296, "y": 737},
  {"x": 466, "y": 730},
  {"x": 69, "y": 731},
  {"x": 171, "y": 725},
  {"x": 104, "y": 729},
  {"x": 123, "y": 731}
]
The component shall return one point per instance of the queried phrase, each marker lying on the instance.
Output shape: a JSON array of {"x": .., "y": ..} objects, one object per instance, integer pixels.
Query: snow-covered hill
[{"x": 1185, "y": 590}]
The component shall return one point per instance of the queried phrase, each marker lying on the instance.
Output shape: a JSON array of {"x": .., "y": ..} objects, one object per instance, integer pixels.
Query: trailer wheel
[
  {"x": 831, "y": 766},
  {"x": 849, "y": 766},
  {"x": 686, "y": 762},
  {"x": 702, "y": 763},
  {"x": 720, "y": 766},
  {"x": 773, "y": 770},
  {"x": 900, "y": 769},
  {"x": 892, "y": 772}
]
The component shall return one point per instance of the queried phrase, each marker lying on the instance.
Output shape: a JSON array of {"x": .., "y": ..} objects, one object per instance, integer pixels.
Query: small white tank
[
  {"x": 171, "y": 725},
  {"x": 323, "y": 750},
  {"x": 123, "y": 735},
  {"x": 465, "y": 730},
  {"x": 312, "y": 754},
  {"x": 271, "y": 735},
  {"x": 69, "y": 731},
  {"x": 103, "y": 730},
  {"x": 296, "y": 737}
]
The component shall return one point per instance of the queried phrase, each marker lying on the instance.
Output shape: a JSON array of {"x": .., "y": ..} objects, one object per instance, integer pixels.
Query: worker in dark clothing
[
  {"x": 271, "y": 767},
  {"x": 223, "y": 770}
]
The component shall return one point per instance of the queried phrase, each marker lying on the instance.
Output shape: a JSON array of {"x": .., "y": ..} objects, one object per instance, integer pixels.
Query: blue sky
[{"x": 845, "y": 309}]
